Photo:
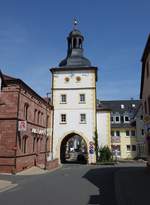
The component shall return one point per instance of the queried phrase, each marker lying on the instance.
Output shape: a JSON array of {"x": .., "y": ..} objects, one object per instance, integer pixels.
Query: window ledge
[
  {"x": 63, "y": 102},
  {"x": 82, "y": 102},
  {"x": 83, "y": 123},
  {"x": 63, "y": 123}
]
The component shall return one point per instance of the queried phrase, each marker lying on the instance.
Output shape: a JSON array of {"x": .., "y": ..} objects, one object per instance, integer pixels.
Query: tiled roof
[
  {"x": 122, "y": 106},
  {"x": 7, "y": 77},
  {"x": 102, "y": 107}
]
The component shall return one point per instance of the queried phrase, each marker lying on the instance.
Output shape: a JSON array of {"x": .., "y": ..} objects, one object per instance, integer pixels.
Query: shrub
[{"x": 105, "y": 154}]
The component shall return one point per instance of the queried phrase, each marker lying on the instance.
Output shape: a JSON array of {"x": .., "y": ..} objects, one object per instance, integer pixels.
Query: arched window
[
  {"x": 47, "y": 121},
  {"x": 74, "y": 43},
  {"x": 24, "y": 144},
  {"x": 26, "y": 106},
  {"x": 38, "y": 117},
  {"x": 80, "y": 43},
  {"x": 42, "y": 119},
  {"x": 35, "y": 113}
]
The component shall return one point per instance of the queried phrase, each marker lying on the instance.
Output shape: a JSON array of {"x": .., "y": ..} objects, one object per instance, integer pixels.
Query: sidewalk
[
  {"x": 6, "y": 185},
  {"x": 32, "y": 171}
]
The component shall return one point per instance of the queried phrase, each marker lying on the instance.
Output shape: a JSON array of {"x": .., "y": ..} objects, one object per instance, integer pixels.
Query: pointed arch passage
[{"x": 73, "y": 149}]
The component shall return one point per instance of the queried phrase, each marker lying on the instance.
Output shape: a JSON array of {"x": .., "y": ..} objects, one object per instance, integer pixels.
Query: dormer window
[
  {"x": 117, "y": 119},
  {"x": 122, "y": 106},
  {"x": 126, "y": 119}
]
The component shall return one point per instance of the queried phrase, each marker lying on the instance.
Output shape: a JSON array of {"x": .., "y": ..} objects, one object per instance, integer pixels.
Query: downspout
[
  {"x": 96, "y": 111},
  {"x": 18, "y": 102},
  {"x": 52, "y": 118},
  {"x": 46, "y": 140}
]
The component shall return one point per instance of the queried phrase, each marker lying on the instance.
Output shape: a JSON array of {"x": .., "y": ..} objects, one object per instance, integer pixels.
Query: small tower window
[
  {"x": 80, "y": 43},
  {"x": 74, "y": 43}
]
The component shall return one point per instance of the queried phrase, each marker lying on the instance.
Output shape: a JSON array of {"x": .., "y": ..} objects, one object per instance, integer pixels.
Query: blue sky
[{"x": 33, "y": 39}]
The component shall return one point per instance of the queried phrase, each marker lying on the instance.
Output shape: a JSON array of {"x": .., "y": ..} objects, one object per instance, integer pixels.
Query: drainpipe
[
  {"x": 18, "y": 102},
  {"x": 52, "y": 118},
  {"x": 46, "y": 142},
  {"x": 46, "y": 132}
]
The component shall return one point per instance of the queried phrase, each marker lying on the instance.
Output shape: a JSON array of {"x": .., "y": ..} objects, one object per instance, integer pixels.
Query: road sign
[
  {"x": 91, "y": 148},
  {"x": 91, "y": 143},
  {"x": 22, "y": 125},
  {"x": 91, "y": 151}
]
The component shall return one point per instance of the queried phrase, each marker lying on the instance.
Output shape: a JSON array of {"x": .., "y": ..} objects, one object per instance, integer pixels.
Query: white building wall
[
  {"x": 103, "y": 128},
  {"x": 73, "y": 108}
]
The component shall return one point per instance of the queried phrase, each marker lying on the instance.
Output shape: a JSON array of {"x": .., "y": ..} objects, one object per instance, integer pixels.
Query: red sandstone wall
[{"x": 8, "y": 114}]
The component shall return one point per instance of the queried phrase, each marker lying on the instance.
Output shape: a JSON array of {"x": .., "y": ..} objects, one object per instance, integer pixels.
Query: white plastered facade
[{"x": 73, "y": 107}]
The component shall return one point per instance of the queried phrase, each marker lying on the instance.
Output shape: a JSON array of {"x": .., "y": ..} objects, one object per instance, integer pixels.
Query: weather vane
[{"x": 75, "y": 22}]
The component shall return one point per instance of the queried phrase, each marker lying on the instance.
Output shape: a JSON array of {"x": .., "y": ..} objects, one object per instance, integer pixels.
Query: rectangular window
[
  {"x": 126, "y": 119},
  {"x": 128, "y": 148},
  {"x": 82, "y": 98},
  {"x": 63, "y": 99},
  {"x": 132, "y": 133},
  {"x": 82, "y": 118},
  {"x": 127, "y": 133},
  {"x": 63, "y": 118},
  {"x": 117, "y": 119},
  {"x": 117, "y": 133},
  {"x": 134, "y": 148},
  {"x": 112, "y": 133},
  {"x": 142, "y": 131}
]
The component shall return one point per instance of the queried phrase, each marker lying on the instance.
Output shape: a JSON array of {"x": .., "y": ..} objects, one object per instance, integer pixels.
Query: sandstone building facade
[{"x": 24, "y": 119}]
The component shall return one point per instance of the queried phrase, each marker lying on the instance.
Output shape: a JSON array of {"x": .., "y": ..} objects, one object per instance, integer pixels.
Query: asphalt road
[{"x": 81, "y": 185}]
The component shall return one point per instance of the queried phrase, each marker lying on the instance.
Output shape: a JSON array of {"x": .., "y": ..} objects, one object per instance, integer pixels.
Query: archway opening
[{"x": 73, "y": 149}]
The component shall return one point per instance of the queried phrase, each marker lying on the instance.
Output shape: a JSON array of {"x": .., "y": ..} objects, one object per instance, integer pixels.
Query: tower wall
[{"x": 78, "y": 82}]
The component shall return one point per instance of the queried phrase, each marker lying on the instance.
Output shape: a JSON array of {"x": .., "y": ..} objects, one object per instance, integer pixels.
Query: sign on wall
[
  {"x": 91, "y": 147},
  {"x": 115, "y": 139},
  {"x": 22, "y": 125}
]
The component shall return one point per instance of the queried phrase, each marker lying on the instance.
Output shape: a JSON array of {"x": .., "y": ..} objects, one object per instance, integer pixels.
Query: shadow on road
[
  {"x": 104, "y": 180},
  {"x": 120, "y": 185}
]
